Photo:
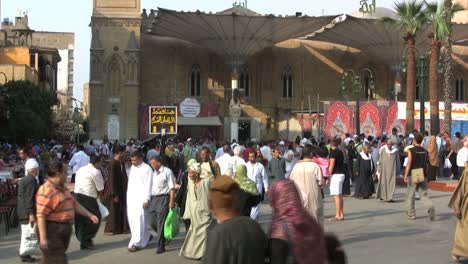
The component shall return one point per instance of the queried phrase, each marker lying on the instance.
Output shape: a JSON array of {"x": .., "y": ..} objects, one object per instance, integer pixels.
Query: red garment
[{"x": 305, "y": 233}]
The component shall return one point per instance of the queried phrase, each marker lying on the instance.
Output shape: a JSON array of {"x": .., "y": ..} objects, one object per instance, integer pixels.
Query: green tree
[
  {"x": 440, "y": 17},
  {"x": 412, "y": 19},
  {"x": 28, "y": 111}
]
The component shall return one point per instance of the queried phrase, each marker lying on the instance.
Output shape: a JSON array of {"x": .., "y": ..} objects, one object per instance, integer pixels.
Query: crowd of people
[{"x": 220, "y": 189}]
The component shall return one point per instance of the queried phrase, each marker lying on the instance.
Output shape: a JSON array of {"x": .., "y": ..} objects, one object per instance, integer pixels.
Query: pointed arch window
[
  {"x": 115, "y": 70},
  {"x": 245, "y": 81},
  {"x": 288, "y": 82},
  {"x": 195, "y": 81},
  {"x": 459, "y": 89}
]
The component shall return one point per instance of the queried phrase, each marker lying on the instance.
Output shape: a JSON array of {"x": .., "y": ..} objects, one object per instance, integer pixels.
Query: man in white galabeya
[{"x": 138, "y": 198}]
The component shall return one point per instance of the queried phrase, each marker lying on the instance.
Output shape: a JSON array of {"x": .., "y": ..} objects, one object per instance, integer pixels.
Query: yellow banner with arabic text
[{"x": 162, "y": 120}]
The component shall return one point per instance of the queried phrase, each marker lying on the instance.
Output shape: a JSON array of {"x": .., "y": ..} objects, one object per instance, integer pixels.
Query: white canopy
[{"x": 237, "y": 35}]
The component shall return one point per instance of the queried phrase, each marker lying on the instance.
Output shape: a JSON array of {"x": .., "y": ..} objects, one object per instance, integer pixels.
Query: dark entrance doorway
[{"x": 244, "y": 131}]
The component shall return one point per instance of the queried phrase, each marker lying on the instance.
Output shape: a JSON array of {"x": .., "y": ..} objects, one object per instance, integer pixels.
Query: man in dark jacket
[{"x": 27, "y": 189}]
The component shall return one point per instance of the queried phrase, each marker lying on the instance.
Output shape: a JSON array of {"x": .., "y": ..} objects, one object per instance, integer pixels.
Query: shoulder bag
[{"x": 417, "y": 175}]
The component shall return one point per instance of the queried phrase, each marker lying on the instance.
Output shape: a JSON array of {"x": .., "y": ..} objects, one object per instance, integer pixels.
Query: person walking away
[
  {"x": 350, "y": 160},
  {"x": 56, "y": 209},
  {"x": 276, "y": 167},
  {"x": 89, "y": 183},
  {"x": 236, "y": 239},
  {"x": 236, "y": 160},
  {"x": 138, "y": 198},
  {"x": 249, "y": 196},
  {"x": 294, "y": 233},
  {"x": 363, "y": 178},
  {"x": 459, "y": 204},
  {"x": 225, "y": 162},
  {"x": 257, "y": 173},
  {"x": 90, "y": 149},
  {"x": 337, "y": 172},
  {"x": 433, "y": 165},
  {"x": 308, "y": 178},
  {"x": 210, "y": 168},
  {"x": 162, "y": 198},
  {"x": 322, "y": 160},
  {"x": 26, "y": 207},
  {"x": 117, "y": 222},
  {"x": 289, "y": 160},
  {"x": 197, "y": 211},
  {"x": 462, "y": 156},
  {"x": 388, "y": 170},
  {"x": 79, "y": 159},
  {"x": 417, "y": 160}
]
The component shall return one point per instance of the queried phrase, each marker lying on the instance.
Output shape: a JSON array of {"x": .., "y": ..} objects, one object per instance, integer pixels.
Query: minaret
[
  {"x": 114, "y": 69},
  {"x": 462, "y": 16}
]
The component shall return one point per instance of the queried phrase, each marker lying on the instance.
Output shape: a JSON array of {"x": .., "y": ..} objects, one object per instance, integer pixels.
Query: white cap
[
  {"x": 237, "y": 150},
  {"x": 281, "y": 143},
  {"x": 411, "y": 136},
  {"x": 31, "y": 164},
  {"x": 189, "y": 139},
  {"x": 355, "y": 136}
]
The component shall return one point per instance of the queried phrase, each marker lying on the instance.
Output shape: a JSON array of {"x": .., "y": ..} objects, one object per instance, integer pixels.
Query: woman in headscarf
[
  {"x": 433, "y": 159},
  {"x": 198, "y": 211},
  {"x": 249, "y": 196},
  {"x": 295, "y": 236},
  {"x": 364, "y": 184}
]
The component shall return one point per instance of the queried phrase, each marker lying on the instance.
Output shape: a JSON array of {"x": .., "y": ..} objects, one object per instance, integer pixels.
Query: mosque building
[{"x": 237, "y": 74}]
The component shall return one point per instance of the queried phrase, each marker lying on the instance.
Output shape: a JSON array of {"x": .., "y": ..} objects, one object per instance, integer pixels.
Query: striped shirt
[{"x": 55, "y": 204}]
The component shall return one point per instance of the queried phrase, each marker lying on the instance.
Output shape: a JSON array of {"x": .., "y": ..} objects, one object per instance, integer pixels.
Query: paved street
[{"x": 373, "y": 232}]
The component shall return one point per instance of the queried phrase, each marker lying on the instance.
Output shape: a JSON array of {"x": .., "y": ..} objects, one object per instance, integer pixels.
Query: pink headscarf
[{"x": 306, "y": 235}]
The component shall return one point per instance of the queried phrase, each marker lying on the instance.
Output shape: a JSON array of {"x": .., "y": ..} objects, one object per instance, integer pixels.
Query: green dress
[{"x": 197, "y": 210}]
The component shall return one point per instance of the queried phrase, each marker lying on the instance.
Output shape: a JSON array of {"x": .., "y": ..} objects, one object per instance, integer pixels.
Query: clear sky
[{"x": 75, "y": 15}]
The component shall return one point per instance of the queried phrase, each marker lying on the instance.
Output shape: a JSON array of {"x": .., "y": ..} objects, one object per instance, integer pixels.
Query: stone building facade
[{"x": 131, "y": 69}]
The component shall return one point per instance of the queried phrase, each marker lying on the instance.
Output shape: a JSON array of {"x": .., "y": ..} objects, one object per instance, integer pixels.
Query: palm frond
[{"x": 412, "y": 16}]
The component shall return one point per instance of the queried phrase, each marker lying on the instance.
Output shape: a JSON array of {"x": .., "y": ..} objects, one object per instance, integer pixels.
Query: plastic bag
[
  {"x": 171, "y": 226},
  {"x": 29, "y": 242},
  {"x": 447, "y": 164},
  {"x": 103, "y": 210}
]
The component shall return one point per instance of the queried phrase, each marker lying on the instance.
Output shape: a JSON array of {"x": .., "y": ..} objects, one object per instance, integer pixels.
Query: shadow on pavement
[{"x": 379, "y": 235}]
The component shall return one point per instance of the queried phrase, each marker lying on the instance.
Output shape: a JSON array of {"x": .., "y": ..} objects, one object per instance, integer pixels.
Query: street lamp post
[
  {"x": 422, "y": 77},
  {"x": 356, "y": 78}
]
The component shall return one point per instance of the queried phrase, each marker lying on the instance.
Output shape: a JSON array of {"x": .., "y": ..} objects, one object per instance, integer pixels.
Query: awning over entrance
[
  {"x": 199, "y": 121},
  {"x": 381, "y": 42},
  {"x": 234, "y": 36}
]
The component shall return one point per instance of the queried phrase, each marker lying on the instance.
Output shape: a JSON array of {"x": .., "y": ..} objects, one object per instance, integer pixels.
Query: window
[
  {"x": 244, "y": 82},
  {"x": 288, "y": 83},
  {"x": 195, "y": 81},
  {"x": 459, "y": 89}
]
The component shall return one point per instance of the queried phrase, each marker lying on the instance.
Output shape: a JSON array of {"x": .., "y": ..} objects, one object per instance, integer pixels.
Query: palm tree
[
  {"x": 412, "y": 19},
  {"x": 440, "y": 16}
]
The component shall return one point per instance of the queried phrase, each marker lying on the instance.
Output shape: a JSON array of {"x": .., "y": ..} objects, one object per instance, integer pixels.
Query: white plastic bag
[
  {"x": 103, "y": 210},
  {"x": 29, "y": 242},
  {"x": 447, "y": 164}
]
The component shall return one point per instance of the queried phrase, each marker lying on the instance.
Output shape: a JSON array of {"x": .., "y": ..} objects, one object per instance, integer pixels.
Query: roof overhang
[
  {"x": 232, "y": 36},
  {"x": 376, "y": 39}
]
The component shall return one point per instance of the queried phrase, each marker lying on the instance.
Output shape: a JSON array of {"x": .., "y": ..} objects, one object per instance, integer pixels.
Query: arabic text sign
[{"x": 162, "y": 118}]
